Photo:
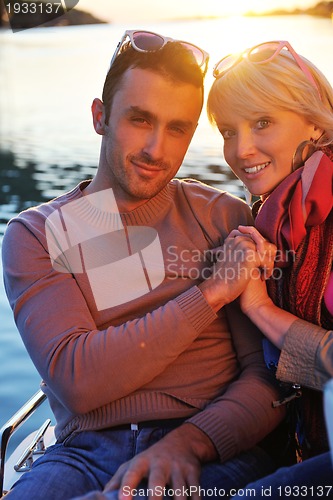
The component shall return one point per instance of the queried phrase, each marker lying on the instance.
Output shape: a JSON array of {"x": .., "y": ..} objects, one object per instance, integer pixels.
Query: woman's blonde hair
[{"x": 278, "y": 84}]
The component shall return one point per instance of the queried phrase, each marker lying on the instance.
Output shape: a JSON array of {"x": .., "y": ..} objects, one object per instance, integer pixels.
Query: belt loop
[{"x": 134, "y": 427}]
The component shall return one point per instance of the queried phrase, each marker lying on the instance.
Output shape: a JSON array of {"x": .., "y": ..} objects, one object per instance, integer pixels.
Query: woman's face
[{"x": 260, "y": 150}]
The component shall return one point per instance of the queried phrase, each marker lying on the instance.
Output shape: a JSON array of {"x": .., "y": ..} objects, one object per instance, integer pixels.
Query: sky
[{"x": 148, "y": 10}]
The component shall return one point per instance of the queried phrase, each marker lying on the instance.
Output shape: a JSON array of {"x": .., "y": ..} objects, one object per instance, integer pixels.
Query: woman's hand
[{"x": 254, "y": 296}]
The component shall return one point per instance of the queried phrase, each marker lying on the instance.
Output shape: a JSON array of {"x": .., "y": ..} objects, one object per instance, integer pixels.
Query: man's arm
[
  {"x": 64, "y": 342},
  {"x": 68, "y": 348}
]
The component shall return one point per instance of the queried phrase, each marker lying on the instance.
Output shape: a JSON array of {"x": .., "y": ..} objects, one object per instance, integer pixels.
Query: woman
[{"x": 274, "y": 110}]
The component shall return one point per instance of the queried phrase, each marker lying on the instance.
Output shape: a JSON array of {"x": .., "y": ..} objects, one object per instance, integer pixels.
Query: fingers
[
  {"x": 162, "y": 480},
  {"x": 181, "y": 482},
  {"x": 127, "y": 478},
  {"x": 266, "y": 250},
  {"x": 158, "y": 479},
  {"x": 162, "y": 473},
  {"x": 259, "y": 240}
]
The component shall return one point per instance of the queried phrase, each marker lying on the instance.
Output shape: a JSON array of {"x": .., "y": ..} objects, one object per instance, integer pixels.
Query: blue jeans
[
  {"x": 86, "y": 461},
  {"x": 312, "y": 478}
]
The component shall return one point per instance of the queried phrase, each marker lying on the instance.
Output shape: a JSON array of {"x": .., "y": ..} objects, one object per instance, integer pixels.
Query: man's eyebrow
[
  {"x": 184, "y": 124},
  {"x": 142, "y": 112}
]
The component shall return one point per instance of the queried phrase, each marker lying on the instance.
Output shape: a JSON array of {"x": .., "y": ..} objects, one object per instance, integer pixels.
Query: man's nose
[{"x": 155, "y": 144}]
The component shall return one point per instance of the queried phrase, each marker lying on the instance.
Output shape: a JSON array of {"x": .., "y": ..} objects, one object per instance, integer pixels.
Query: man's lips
[
  {"x": 148, "y": 168},
  {"x": 148, "y": 164}
]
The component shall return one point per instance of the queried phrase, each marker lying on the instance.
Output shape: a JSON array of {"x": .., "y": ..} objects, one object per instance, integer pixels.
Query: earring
[{"x": 302, "y": 153}]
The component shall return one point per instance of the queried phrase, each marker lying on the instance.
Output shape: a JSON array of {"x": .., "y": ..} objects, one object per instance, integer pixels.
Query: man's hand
[{"x": 174, "y": 462}]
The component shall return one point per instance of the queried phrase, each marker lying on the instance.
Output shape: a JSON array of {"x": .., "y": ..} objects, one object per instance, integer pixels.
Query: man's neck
[{"x": 124, "y": 204}]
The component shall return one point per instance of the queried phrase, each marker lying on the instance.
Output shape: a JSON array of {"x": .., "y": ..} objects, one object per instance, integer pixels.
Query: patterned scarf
[{"x": 298, "y": 217}]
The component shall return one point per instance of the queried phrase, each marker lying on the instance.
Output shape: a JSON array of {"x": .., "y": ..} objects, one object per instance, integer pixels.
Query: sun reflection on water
[{"x": 49, "y": 77}]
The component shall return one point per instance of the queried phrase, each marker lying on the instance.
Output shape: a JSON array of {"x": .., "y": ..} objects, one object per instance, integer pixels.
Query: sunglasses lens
[
  {"x": 225, "y": 65},
  {"x": 147, "y": 41},
  {"x": 197, "y": 53},
  {"x": 263, "y": 52}
]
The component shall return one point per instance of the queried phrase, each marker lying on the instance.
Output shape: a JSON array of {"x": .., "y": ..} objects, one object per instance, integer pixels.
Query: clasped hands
[
  {"x": 240, "y": 266},
  {"x": 255, "y": 293}
]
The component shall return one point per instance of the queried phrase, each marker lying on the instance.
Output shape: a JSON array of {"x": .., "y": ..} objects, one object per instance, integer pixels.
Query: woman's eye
[
  {"x": 227, "y": 133},
  {"x": 263, "y": 124}
]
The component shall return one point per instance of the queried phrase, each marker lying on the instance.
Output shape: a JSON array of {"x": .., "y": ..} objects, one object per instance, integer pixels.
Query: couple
[{"x": 159, "y": 381}]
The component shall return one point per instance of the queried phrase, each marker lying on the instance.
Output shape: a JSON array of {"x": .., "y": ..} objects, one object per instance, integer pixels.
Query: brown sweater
[{"x": 163, "y": 355}]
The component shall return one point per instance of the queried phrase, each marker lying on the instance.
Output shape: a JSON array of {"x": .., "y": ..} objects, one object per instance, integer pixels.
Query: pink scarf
[{"x": 297, "y": 216}]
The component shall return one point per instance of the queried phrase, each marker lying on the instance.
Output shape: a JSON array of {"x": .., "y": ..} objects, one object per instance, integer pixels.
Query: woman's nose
[{"x": 245, "y": 145}]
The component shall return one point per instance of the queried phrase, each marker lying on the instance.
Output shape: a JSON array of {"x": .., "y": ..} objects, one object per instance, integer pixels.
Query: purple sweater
[{"x": 165, "y": 354}]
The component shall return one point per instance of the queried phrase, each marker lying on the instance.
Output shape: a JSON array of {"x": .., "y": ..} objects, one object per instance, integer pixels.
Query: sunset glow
[{"x": 147, "y": 10}]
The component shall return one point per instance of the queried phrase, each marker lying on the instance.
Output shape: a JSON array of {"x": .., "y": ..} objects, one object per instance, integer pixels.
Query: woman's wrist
[{"x": 272, "y": 321}]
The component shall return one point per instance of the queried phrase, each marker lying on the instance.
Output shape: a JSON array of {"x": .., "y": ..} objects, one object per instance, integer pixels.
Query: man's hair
[
  {"x": 280, "y": 84},
  {"x": 173, "y": 62}
]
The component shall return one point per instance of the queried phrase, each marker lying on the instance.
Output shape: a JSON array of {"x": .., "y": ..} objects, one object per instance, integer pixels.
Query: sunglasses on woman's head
[
  {"x": 147, "y": 41},
  {"x": 260, "y": 54}
]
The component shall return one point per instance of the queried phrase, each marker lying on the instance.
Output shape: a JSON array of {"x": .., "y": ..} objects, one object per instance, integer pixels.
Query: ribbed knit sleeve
[
  {"x": 307, "y": 355},
  {"x": 195, "y": 308}
]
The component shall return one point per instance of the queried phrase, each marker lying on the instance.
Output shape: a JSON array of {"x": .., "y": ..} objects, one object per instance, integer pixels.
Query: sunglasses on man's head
[
  {"x": 147, "y": 41},
  {"x": 260, "y": 54}
]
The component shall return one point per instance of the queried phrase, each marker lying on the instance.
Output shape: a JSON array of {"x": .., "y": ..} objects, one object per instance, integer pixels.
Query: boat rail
[{"x": 13, "y": 424}]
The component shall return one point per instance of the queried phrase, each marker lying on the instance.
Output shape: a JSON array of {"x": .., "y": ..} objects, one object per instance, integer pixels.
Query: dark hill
[{"x": 25, "y": 21}]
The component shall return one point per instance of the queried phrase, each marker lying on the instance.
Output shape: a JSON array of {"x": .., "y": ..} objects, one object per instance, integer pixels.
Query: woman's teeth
[{"x": 257, "y": 168}]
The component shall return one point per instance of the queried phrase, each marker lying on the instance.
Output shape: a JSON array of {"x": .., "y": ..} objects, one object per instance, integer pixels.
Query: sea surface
[{"x": 48, "y": 79}]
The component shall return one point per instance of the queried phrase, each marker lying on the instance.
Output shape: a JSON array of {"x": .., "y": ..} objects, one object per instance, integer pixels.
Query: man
[{"x": 118, "y": 289}]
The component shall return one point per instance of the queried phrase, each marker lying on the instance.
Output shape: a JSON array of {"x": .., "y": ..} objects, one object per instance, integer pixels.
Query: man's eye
[
  {"x": 177, "y": 130},
  {"x": 138, "y": 119}
]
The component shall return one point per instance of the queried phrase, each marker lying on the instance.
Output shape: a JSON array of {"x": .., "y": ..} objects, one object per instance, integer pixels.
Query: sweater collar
[{"x": 146, "y": 213}]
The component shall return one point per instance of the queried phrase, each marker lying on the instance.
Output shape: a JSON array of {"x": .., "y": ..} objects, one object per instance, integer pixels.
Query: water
[{"x": 48, "y": 78}]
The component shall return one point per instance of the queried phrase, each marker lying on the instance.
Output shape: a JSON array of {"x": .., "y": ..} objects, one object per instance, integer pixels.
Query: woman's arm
[{"x": 306, "y": 349}]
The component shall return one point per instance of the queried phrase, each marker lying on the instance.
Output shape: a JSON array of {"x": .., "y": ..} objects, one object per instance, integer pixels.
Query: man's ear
[{"x": 98, "y": 114}]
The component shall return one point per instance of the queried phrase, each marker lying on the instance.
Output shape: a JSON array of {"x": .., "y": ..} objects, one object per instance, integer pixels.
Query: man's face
[{"x": 151, "y": 124}]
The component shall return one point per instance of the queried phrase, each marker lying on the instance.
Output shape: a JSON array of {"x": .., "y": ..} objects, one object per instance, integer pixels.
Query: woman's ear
[
  {"x": 98, "y": 114},
  {"x": 316, "y": 134}
]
